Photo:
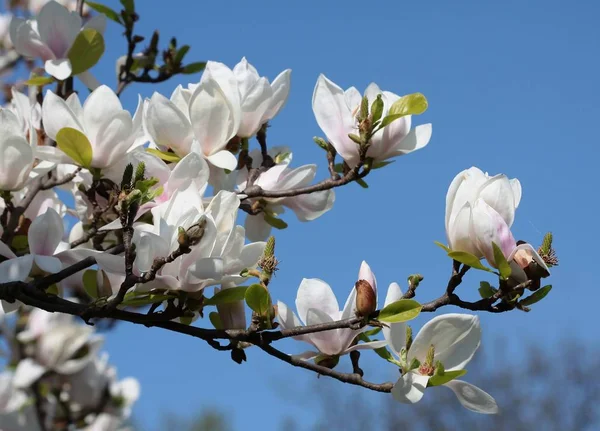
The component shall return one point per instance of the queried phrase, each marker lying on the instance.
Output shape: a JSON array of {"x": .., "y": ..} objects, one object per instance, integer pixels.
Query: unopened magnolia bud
[
  {"x": 364, "y": 108},
  {"x": 414, "y": 280},
  {"x": 355, "y": 138},
  {"x": 327, "y": 361},
  {"x": 366, "y": 302},
  {"x": 377, "y": 108},
  {"x": 321, "y": 142},
  {"x": 195, "y": 232}
]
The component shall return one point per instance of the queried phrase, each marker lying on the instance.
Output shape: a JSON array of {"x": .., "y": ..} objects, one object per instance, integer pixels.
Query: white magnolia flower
[
  {"x": 336, "y": 109},
  {"x": 50, "y": 36},
  {"x": 110, "y": 129},
  {"x": 5, "y": 19},
  {"x": 17, "y": 153},
  {"x": 39, "y": 322},
  {"x": 202, "y": 122},
  {"x": 44, "y": 237},
  {"x": 232, "y": 314},
  {"x": 316, "y": 303},
  {"x": 500, "y": 198},
  {"x": 63, "y": 349},
  {"x": 27, "y": 109},
  {"x": 454, "y": 339},
  {"x": 16, "y": 413}
]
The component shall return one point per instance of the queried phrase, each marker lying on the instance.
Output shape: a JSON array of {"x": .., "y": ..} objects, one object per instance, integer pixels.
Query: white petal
[
  {"x": 48, "y": 264},
  {"x": 498, "y": 193},
  {"x": 410, "y": 388},
  {"x": 281, "y": 91},
  {"x": 394, "y": 333},
  {"x": 371, "y": 345},
  {"x": 223, "y": 159},
  {"x": 59, "y": 68},
  {"x": 28, "y": 371},
  {"x": 455, "y": 337},
  {"x": 254, "y": 106},
  {"x": 311, "y": 206},
  {"x": 56, "y": 114},
  {"x": 97, "y": 22},
  {"x": 16, "y": 161},
  {"x": 16, "y": 269},
  {"x": 58, "y": 27},
  {"x": 316, "y": 294},
  {"x": 257, "y": 229},
  {"x": 100, "y": 107},
  {"x": 167, "y": 125},
  {"x": 45, "y": 233},
  {"x": 473, "y": 398}
]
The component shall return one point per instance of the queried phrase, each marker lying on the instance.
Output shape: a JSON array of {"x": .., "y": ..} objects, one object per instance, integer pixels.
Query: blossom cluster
[
  {"x": 56, "y": 370},
  {"x": 154, "y": 199}
]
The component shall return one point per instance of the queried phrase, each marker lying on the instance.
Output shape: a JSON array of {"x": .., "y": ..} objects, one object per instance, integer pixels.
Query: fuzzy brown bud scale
[{"x": 366, "y": 301}]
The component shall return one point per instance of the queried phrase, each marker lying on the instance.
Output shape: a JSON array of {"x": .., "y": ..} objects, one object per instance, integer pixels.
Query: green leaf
[
  {"x": 181, "y": 53},
  {"x": 400, "y": 311},
  {"x": 383, "y": 352},
  {"x": 90, "y": 283},
  {"x": 501, "y": 263},
  {"x": 537, "y": 296},
  {"x": 486, "y": 290},
  {"x": 377, "y": 108},
  {"x": 442, "y": 246},
  {"x": 164, "y": 155},
  {"x": 469, "y": 260},
  {"x": 438, "y": 380},
  {"x": 39, "y": 81},
  {"x": 372, "y": 332},
  {"x": 277, "y": 223},
  {"x": 188, "y": 69},
  {"x": 186, "y": 320},
  {"x": 100, "y": 8},
  {"x": 75, "y": 145},
  {"x": 128, "y": 5},
  {"x": 339, "y": 168},
  {"x": 52, "y": 290},
  {"x": 258, "y": 299},
  {"x": 86, "y": 50},
  {"x": 411, "y": 104},
  {"x": 226, "y": 296},
  {"x": 362, "y": 183},
  {"x": 215, "y": 319}
]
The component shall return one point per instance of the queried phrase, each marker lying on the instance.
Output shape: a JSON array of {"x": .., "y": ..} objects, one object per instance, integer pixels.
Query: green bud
[
  {"x": 546, "y": 243},
  {"x": 364, "y": 108},
  {"x": 414, "y": 280},
  {"x": 377, "y": 108},
  {"x": 409, "y": 338},
  {"x": 127, "y": 177},
  {"x": 321, "y": 142},
  {"x": 439, "y": 368},
  {"x": 355, "y": 138},
  {"x": 139, "y": 172},
  {"x": 270, "y": 247},
  {"x": 430, "y": 356},
  {"x": 182, "y": 238}
]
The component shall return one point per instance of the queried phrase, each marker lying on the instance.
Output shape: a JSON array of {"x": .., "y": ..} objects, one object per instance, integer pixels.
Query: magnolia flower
[
  {"x": 453, "y": 340},
  {"x": 336, "y": 109},
  {"x": 280, "y": 176},
  {"x": 16, "y": 153},
  {"x": 202, "y": 122},
  {"x": 316, "y": 304},
  {"x": 15, "y": 411},
  {"x": 109, "y": 128},
  {"x": 50, "y": 37},
  {"x": 44, "y": 237},
  {"x": 64, "y": 349},
  {"x": 27, "y": 109},
  {"x": 259, "y": 101},
  {"x": 5, "y": 19},
  {"x": 499, "y": 197},
  {"x": 39, "y": 322}
]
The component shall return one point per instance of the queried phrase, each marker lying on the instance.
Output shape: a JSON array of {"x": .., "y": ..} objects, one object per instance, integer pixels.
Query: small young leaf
[
  {"x": 372, "y": 332},
  {"x": 39, "y": 81},
  {"x": 215, "y": 319},
  {"x": 226, "y": 296},
  {"x": 52, "y": 290},
  {"x": 100, "y": 8},
  {"x": 90, "y": 283},
  {"x": 181, "y": 53},
  {"x": 400, "y": 311},
  {"x": 377, "y": 108},
  {"x": 20, "y": 242},
  {"x": 164, "y": 155},
  {"x": 188, "y": 69},
  {"x": 448, "y": 376},
  {"x": 362, "y": 183},
  {"x": 258, "y": 299},
  {"x": 501, "y": 263},
  {"x": 468, "y": 259},
  {"x": 277, "y": 223},
  {"x": 86, "y": 50},
  {"x": 411, "y": 104},
  {"x": 537, "y": 296},
  {"x": 442, "y": 246},
  {"x": 128, "y": 5},
  {"x": 486, "y": 290},
  {"x": 75, "y": 145}
]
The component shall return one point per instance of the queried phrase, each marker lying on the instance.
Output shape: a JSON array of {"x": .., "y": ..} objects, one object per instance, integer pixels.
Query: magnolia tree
[{"x": 153, "y": 239}]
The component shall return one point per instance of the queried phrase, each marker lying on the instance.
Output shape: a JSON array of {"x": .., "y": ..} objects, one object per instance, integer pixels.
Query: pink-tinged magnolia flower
[
  {"x": 454, "y": 339},
  {"x": 50, "y": 36},
  {"x": 336, "y": 109},
  {"x": 316, "y": 303},
  {"x": 499, "y": 198},
  {"x": 281, "y": 177},
  {"x": 17, "y": 154},
  {"x": 44, "y": 236},
  {"x": 110, "y": 129}
]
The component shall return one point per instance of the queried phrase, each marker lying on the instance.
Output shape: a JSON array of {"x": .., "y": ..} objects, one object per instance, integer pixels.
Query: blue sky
[{"x": 512, "y": 88}]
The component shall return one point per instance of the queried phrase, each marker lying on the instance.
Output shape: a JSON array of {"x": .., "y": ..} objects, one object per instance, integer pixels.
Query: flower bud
[{"x": 366, "y": 301}]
